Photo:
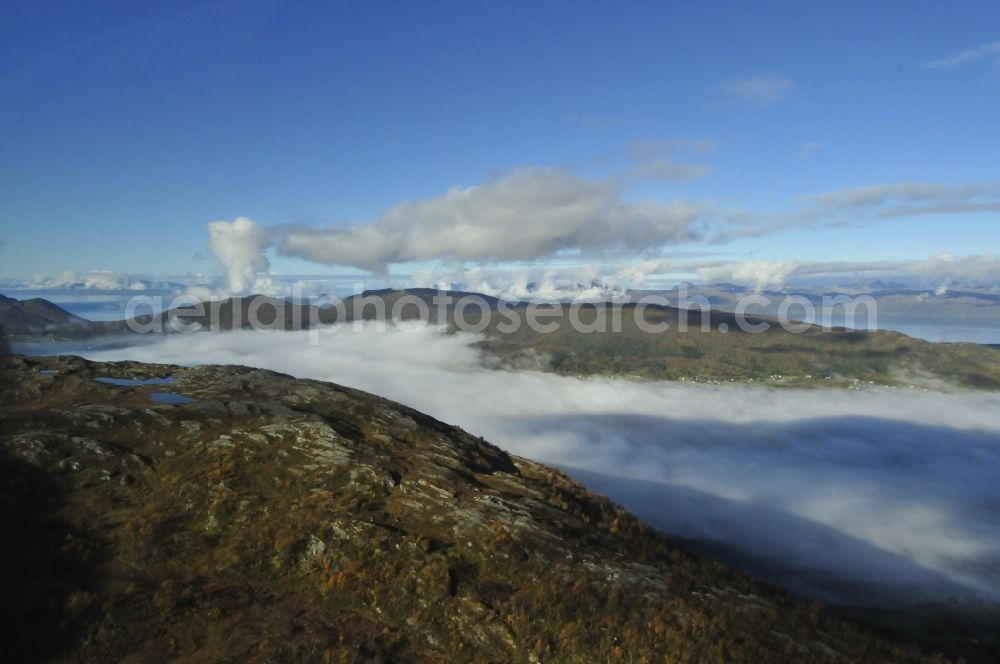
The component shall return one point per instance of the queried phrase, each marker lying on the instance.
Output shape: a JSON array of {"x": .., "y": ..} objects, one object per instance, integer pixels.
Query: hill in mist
[
  {"x": 37, "y": 317},
  {"x": 709, "y": 347}
]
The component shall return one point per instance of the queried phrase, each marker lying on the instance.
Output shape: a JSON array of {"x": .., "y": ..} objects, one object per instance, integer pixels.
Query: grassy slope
[{"x": 815, "y": 356}]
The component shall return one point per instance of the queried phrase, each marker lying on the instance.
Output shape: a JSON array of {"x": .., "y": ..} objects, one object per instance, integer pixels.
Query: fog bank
[{"x": 854, "y": 497}]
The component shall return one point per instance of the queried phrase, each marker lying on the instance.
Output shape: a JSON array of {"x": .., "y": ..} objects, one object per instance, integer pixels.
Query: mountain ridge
[{"x": 694, "y": 346}]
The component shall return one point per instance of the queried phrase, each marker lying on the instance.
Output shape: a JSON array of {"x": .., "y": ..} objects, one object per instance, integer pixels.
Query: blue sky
[{"x": 128, "y": 127}]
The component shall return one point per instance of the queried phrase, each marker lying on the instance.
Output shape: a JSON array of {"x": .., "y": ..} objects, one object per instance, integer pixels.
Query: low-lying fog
[{"x": 853, "y": 497}]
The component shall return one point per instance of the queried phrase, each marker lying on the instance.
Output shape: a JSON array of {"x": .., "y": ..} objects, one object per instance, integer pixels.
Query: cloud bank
[
  {"x": 598, "y": 281},
  {"x": 940, "y": 271},
  {"x": 760, "y": 275},
  {"x": 538, "y": 213},
  {"x": 525, "y": 215},
  {"x": 94, "y": 281},
  {"x": 903, "y": 199},
  {"x": 605, "y": 280},
  {"x": 875, "y": 497}
]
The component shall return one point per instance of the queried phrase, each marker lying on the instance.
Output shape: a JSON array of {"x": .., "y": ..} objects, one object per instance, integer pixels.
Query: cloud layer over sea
[{"x": 873, "y": 497}]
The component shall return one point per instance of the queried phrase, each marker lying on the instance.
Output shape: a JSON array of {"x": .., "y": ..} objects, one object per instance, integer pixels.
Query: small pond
[{"x": 134, "y": 382}]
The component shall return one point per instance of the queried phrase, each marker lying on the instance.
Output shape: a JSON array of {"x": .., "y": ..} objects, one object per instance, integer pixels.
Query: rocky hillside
[{"x": 234, "y": 514}]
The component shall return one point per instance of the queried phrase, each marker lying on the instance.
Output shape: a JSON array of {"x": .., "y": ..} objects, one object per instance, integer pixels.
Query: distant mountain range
[
  {"x": 714, "y": 348},
  {"x": 894, "y": 301},
  {"x": 105, "y": 282}
]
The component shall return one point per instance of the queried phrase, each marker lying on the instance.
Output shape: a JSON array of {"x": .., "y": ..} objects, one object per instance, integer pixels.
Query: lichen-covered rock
[{"x": 274, "y": 519}]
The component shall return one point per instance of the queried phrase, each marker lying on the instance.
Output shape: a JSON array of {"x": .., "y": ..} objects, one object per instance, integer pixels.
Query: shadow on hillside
[
  {"x": 861, "y": 470},
  {"x": 40, "y": 568},
  {"x": 885, "y": 476},
  {"x": 834, "y": 567},
  {"x": 891, "y": 593},
  {"x": 5, "y": 373}
]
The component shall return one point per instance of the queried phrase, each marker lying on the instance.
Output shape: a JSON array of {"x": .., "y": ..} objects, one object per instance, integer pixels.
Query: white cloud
[
  {"x": 590, "y": 280},
  {"x": 870, "y": 204},
  {"x": 527, "y": 214},
  {"x": 635, "y": 275},
  {"x": 762, "y": 90},
  {"x": 891, "y": 490},
  {"x": 239, "y": 245},
  {"x": 535, "y": 214},
  {"x": 909, "y": 198},
  {"x": 540, "y": 283},
  {"x": 97, "y": 280},
  {"x": 983, "y": 270},
  {"x": 606, "y": 280},
  {"x": 759, "y": 275},
  {"x": 967, "y": 56},
  {"x": 594, "y": 282},
  {"x": 102, "y": 280},
  {"x": 943, "y": 269}
]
